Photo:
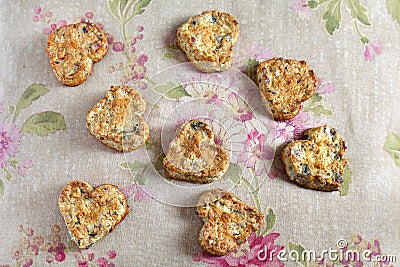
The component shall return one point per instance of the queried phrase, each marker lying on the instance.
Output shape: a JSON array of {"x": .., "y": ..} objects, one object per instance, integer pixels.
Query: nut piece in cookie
[
  {"x": 227, "y": 221},
  {"x": 284, "y": 84},
  {"x": 90, "y": 214},
  {"x": 193, "y": 155},
  {"x": 318, "y": 161},
  {"x": 207, "y": 40},
  {"x": 116, "y": 120},
  {"x": 73, "y": 49}
]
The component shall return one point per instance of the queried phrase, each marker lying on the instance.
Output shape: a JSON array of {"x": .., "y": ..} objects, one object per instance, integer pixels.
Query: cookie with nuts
[
  {"x": 208, "y": 39},
  {"x": 91, "y": 213},
  {"x": 228, "y": 221},
  {"x": 73, "y": 49},
  {"x": 193, "y": 155},
  {"x": 317, "y": 162},
  {"x": 284, "y": 84},
  {"x": 117, "y": 119}
]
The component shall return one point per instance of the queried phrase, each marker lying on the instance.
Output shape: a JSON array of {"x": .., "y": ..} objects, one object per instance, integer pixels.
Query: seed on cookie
[
  {"x": 193, "y": 155},
  {"x": 116, "y": 120},
  {"x": 73, "y": 49},
  {"x": 91, "y": 213},
  {"x": 318, "y": 161},
  {"x": 228, "y": 222},
  {"x": 284, "y": 84},
  {"x": 207, "y": 40}
]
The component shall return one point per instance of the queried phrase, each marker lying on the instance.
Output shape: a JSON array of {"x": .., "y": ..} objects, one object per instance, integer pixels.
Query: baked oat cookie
[
  {"x": 284, "y": 84},
  {"x": 227, "y": 221},
  {"x": 73, "y": 49},
  {"x": 116, "y": 120},
  {"x": 90, "y": 214},
  {"x": 207, "y": 40},
  {"x": 318, "y": 161},
  {"x": 193, "y": 155}
]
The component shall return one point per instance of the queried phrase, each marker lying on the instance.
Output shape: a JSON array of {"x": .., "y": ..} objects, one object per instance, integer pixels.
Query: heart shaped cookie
[
  {"x": 116, "y": 120},
  {"x": 227, "y": 221},
  {"x": 73, "y": 49},
  {"x": 317, "y": 162},
  {"x": 284, "y": 84},
  {"x": 90, "y": 214},
  {"x": 207, "y": 40},
  {"x": 193, "y": 155}
]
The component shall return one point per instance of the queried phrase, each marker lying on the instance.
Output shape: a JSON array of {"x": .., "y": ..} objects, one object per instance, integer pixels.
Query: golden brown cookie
[
  {"x": 73, "y": 49},
  {"x": 284, "y": 84},
  {"x": 207, "y": 40},
  {"x": 193, "y": 155},
  {"x": 318, "y": 161},
  {"x": 116, "y": 120},
  {"x": 90, "y": 214},
  {"x": 227, "y": 221}
]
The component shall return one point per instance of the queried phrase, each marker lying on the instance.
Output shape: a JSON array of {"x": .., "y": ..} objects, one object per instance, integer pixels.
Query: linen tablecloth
[{"x": 353, "y": 47}]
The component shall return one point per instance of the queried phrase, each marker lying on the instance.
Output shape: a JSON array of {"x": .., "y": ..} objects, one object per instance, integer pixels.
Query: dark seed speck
[
  {"x": 196, "y": 124},
  {"x": 339, "y": 178},
  {"x": 213, "y": 19},
  {"x": 84, "y": 30},
  {"x": 307, "y": 170}
]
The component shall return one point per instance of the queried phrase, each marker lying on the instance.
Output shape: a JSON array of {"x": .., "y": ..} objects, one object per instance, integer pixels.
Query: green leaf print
[
  {"x": 300, "y": 253},
  {"x": 393, "y": 7},
  {"x": 171, "y": 90},
  {"x": 358, "y": 12},
  {"x": 2, "y": 187},
  {"x": 32, "y": 93},
  {"x": 270, "y": 220},
  {"x": 332, "y": 17},
  {"x": 392, "y": 146},
  {"x": 44, "y": 123},
  {"x": 344, "y": 188}
]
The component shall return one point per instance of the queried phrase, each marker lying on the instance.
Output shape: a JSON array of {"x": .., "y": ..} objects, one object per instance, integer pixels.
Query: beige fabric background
[{"x": 366, "y": 109}]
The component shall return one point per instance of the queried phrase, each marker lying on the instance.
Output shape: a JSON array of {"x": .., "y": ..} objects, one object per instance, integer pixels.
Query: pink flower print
[
  {"x": 368, "y": 55},
  {"x": 90, "y": 255},
  {"x": 37, "y": 10},
  {"x": 213, "y": 98},
  {"x": 83, "y": 264},
  {"x": 118, "y": 47},
  {"x": 112, "y": 254},
  {"x": 302, "y": 8},
  {"x": 141, "y": 195},
  {"x": 260, "y": 53},
  {"x": 325, "y": 88},
  {"x": 24, "y": 166},
  {"x": 60, "y": 256},
  {"x": 142, "y": 59},
  {"x": 17, "y": 253},
  {"x": 248, "y": 254},
  {"x": 10, "y": 138},
  {"x": 135, "y": 190},
  {"x": 372, "y": 49},
  {"x": 89, "y": 15},
  {"x": 47, "y": 31},
  {"x": 293, "y": 128},
  {"x": 102, "y": 262},
  {"x": 61, "y": 23},
  {"x": 140, "y": 28},
  {"x": 27, "y": 262},
  {"x": 256, "y": 152},
  {"x": 242, "y": 114}
]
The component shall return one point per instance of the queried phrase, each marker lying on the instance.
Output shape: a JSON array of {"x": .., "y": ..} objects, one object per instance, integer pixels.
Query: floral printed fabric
[{"x": 350, "y": 44}]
